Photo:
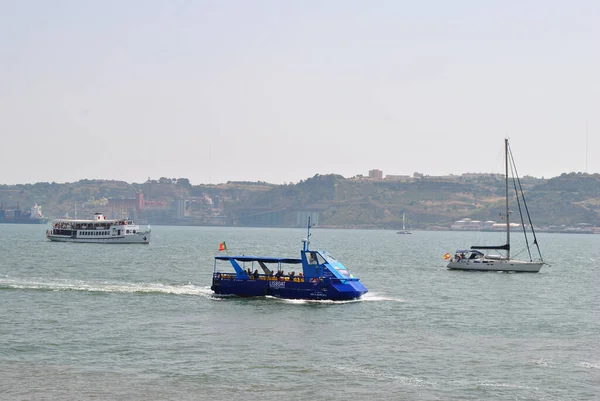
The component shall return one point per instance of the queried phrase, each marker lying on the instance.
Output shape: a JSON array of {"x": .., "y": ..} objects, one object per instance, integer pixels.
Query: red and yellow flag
[
  {"x": 446, "y": 256},
  {"x": 222, "y": 246}
]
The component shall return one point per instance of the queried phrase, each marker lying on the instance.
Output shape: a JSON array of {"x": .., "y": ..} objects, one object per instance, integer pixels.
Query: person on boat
[
  {"x": 292, "y": 274},
  {"x": 279, "y": 274},
  {"x": 256, "y": 275},
  {"x": 300, "y": 275}
]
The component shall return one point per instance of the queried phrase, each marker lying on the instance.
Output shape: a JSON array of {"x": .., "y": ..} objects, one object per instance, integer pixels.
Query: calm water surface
[{"x": 132, "y": 322}]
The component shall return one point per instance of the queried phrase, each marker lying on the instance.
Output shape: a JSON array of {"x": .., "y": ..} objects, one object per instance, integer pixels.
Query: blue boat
[{"x": 316, "y": 276}]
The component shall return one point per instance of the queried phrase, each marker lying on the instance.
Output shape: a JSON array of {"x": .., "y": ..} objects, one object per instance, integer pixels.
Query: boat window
[
  {"x": 127, "y": 232},
  {"x": 321, "y": 260},
  {"x": 315, "y": 258}
]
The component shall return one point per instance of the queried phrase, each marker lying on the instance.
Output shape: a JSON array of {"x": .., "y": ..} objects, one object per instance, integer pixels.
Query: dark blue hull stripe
[{"x": 287, "y": 290}]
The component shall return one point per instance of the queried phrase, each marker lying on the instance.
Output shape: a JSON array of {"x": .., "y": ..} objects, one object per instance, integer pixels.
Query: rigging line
[
  {"x": 535, "y": 241},
  {"x": 514, "y": 174},
  {"x": 520, "y": 251}
]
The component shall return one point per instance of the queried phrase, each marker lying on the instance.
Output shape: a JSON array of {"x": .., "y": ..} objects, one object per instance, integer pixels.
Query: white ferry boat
[{"x": 98, "y": 230}]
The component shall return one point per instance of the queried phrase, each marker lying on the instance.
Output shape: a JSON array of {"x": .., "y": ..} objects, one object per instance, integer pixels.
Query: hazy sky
[{"x": 279, "y": 91}]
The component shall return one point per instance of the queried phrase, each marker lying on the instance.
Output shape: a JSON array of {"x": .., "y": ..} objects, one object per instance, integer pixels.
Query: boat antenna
[
  {"x": 307, "y": 242},
  {"x": 507, "y": 211}
]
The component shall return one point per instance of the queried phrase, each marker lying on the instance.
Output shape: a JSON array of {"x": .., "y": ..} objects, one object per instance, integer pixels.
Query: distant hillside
[{"x": 340, "y": 202}]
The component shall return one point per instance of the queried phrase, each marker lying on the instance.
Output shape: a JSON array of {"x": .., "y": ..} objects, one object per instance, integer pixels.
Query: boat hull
[
  {"x": 141, "y": 238},
  {"x": 342, "y": 290},
  {"x": 493, "y": 265}
]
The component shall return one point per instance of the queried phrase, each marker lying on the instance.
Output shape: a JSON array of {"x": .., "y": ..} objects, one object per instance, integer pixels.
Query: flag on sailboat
[{"x": 222, "y": 246}]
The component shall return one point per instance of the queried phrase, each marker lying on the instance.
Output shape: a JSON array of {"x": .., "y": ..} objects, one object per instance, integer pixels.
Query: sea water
[{"x": 139, "y": 322}]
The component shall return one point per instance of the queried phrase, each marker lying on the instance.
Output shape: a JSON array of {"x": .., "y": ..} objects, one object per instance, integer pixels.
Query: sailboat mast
[{"x": 506, "y": 186}]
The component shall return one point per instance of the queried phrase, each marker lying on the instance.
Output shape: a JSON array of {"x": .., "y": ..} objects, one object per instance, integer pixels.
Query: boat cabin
[
  {"x": 467, "y": 254},
  {"x": 97, "y": 227},
  {"x": 313, "y": 265},
  {"x": 472, "y": 254}
]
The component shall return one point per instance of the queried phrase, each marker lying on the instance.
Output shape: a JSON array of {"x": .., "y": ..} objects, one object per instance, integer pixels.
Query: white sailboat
[
  {"x": 475, "y": 259},
  {"x": 404, "y": 230}
]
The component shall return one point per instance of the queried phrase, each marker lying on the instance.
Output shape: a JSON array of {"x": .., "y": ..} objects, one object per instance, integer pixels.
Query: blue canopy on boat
[
  {"x": 260, "y": 259},
  {"x": 468, "y": 250}
]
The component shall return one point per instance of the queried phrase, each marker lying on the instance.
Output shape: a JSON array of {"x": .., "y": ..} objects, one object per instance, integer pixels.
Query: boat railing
[
  {"x": 261, "y": 277},
  {"x": 224, "y": 276},
  {"x": 296, "y": 279}
]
